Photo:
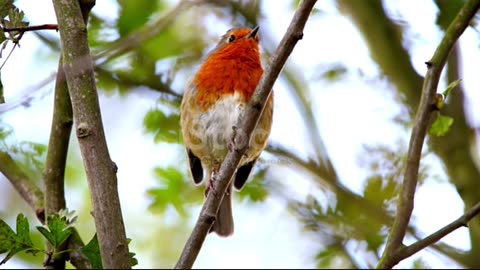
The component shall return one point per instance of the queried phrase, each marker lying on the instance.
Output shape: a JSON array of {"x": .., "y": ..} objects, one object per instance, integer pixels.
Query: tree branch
[
  {"x": 328, "y": 178},
  {"x": 406, "y": 252},
  {"x": 244, "y": 129},
  {"x": 32, "y": 28},
  {"x": 139, "y": 37},
  {"x": 30, "y": 192},
  {"x": 77, "y": 258},
  {"x": 54, "y": 176},
  {"x": 100, "y": 170},
  {"x": 57, "y": 155},
  {"x": 435, "y": 66}
]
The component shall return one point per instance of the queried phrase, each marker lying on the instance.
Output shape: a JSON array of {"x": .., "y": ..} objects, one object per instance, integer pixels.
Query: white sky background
[{"x": 274, "y": 238}]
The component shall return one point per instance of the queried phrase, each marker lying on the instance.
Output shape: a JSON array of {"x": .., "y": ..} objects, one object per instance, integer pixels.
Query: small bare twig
[
  {"x": 422, "y": 119},
  {"x": 32, "y": 28},
  {"x": 22, "y": 30},
  {"x": 245, "y": 127},
  {"x": 15, "y": 44}
]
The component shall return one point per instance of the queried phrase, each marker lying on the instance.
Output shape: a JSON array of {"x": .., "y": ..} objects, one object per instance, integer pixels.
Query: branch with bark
[
  {"x": 245, "y": 127},
  {"x": 422, "y": 122},
  {"x": 54, "y": 176},
  {"x": 100, "y": 169},
  {"x": 27, "y": 189},
  {"x": 31, "y": 28},
  {"x": 405, "y": 252}
]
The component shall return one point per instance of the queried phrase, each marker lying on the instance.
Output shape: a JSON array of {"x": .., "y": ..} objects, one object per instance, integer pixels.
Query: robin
[{"x": 212, "y": 103}]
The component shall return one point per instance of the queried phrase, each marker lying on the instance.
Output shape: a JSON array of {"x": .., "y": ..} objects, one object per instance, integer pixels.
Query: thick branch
[
  {"x": 244, "y": 129},
  {"x": 100, "y": 170},
  {"x": 54, "y": 176},
  {"x": 435, "y": 66}
]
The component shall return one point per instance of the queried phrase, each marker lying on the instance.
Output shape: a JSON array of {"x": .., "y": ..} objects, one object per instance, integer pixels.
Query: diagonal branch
[
  {"x": 435, "y": 66},
  {"x": 436, "y": 236},
  {"x": 28, "y": 190},
  {"x": 244, "y": 129}
]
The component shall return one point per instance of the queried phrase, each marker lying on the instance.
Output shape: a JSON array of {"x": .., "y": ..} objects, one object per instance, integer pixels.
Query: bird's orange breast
[{"x": 235, "y": 68}]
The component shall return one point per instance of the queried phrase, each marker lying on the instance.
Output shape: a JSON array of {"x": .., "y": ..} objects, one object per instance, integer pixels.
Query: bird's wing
[
  {"x": 195, "y": 167},
  {"x": 242, "y": 174}
]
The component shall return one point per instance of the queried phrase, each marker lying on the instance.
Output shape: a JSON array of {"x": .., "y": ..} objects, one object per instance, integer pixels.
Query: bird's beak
[{"x": 254, "y": 33}]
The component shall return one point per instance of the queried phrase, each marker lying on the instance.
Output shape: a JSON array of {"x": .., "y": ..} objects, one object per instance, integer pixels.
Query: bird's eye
[{"x": 231, "y": 38}]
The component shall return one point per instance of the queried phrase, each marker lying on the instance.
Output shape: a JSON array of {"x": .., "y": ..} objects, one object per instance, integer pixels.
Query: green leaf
[
  {"x": 169, "y": 194},
  {"x": 59, "y": 229},
  {"x": 441, "y": 126},
  {"x": 5, "y": 7},
  {"x": 380, "y": 189},
  {"x": 134, "y": 260},
  {"x": 7, "y": 237},
  {"x": 326, "y": 256},
  {"x": 134, "y": 14},
  {"x": 23, "y": 230},
  {"x": 92, "y": 251},
  {"x": 14, "y": 243},
  {"x": 450, "y": 87},
  {"x": 174, "y": 191},
  {"x": 47, "y": 234},
  {"x": 166, "y": 128}
]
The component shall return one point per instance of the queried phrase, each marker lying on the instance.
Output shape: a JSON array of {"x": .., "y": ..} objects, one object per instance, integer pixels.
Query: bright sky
[{"x": 267, "y": 237}]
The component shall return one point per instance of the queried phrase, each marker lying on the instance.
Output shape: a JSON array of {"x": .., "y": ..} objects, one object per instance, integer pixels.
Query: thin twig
[
  {"x": 435, "y": 66},
  {"x": 32, "y": 28},
  {"x": 244, "y": 129},
  {"x": 15, "y": 44},
  {"x": 434, "y": 237}
]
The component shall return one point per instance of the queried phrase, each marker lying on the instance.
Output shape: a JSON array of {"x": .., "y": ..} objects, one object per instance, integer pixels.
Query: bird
[{"x": 213, "y": 101}]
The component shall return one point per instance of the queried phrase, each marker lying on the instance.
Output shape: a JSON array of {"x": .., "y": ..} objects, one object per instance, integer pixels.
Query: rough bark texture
[{"x": 100, "y": 170}]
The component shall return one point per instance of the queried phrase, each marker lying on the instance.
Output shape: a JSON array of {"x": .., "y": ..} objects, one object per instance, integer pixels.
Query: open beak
[{"x": 254, "y": 33}]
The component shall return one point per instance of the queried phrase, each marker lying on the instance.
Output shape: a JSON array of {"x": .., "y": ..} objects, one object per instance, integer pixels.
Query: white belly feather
[{"x": 214, "y": 128}]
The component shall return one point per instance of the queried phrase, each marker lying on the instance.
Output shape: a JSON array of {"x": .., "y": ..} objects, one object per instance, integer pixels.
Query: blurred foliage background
[{"x": 339, "y": 188}]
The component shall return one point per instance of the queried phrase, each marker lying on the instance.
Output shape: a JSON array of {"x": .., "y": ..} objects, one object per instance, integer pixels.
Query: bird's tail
[{"x": 223, "y": 225}]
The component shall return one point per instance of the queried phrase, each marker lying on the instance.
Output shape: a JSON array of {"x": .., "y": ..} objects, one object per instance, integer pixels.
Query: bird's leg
[
  {"x": 231, "y": 143},
  {"x": 211, "y": 185}
]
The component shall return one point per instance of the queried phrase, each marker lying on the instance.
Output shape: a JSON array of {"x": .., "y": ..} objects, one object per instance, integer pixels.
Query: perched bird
[{"x": 213, "y": 102}]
